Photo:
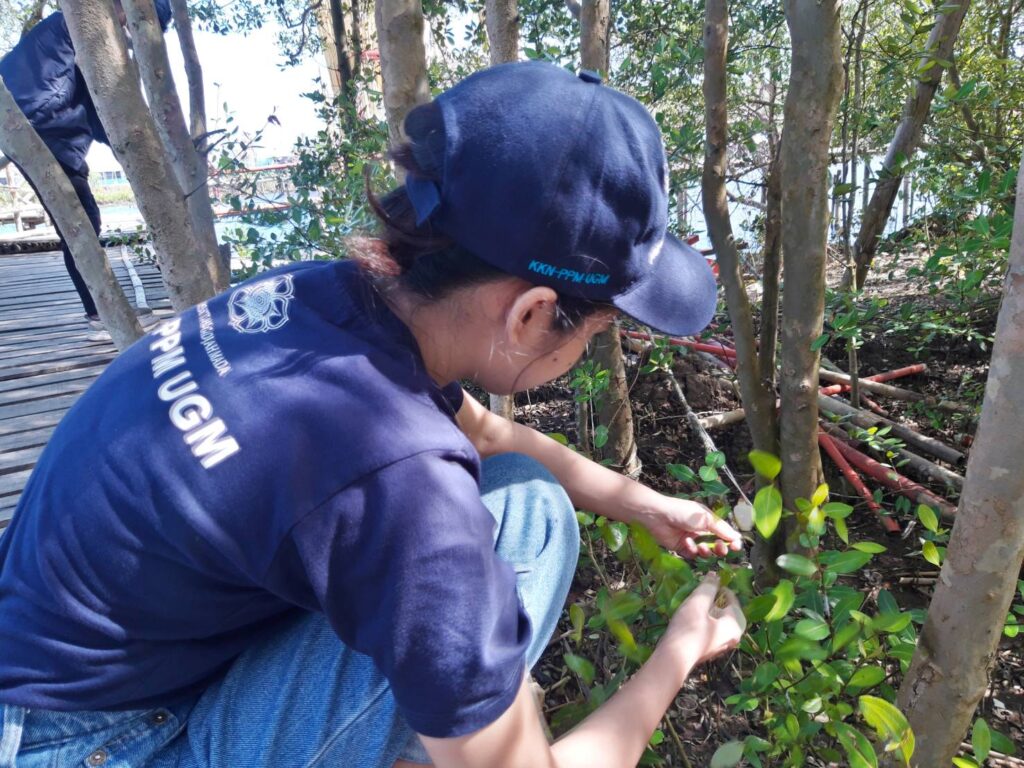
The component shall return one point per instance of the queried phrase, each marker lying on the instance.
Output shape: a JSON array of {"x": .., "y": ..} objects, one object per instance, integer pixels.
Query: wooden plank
[
  {"x": 14, "y": 482},
  {"x": 37, "y": 354},
  {"x": 27, "y": 439},
  {"x": 42, "y": 379},
  {"x": 30, "y": 422},
  {"x": 55, "y": 403},
  {"x": 55, "y": 367},
  {"x": 31, "y": 394},
  {"x": 23, "y": 458}
]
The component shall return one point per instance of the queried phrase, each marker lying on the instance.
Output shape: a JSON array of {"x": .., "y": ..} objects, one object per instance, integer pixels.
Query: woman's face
[{"x": 561, "y": 355}]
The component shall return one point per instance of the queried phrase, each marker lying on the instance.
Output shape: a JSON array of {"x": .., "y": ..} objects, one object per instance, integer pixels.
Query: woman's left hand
[{"x": 677, "y": 524}]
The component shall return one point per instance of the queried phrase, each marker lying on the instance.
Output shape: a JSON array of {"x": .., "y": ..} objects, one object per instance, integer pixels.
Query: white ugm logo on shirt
[{"x": 262, "y": 306}]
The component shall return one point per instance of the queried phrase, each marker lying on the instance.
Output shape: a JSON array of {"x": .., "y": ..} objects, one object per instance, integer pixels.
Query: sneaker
[
  {"x": 98, "y": 337},
  {"x": 94, "y": 322}
]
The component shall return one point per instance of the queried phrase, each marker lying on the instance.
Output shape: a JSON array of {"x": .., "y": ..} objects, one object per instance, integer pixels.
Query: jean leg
[{"x": 80, "y": 181}]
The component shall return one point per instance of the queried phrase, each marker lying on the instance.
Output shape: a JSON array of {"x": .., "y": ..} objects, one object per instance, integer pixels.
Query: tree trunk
[
  {"x": 949, "y": 671},
  {"x": 194, "y": 74},
  {"x": 905, "y": 141},
  {"x": 595, "y": 21},
  {"x": 113, "y": 81},
  {"x": 502, "y": 17},
  {"x": 770, "y": 273},
  {"x": 339, "y": 38},
  {"x": 614, "y": 410},
  {"x": 403, "y": 61},
  {"x": 189, "y": 165},
  {"x": 758, "y": 400},
  {"x": 815, "y": 84},
  {"x": 502, "y": 22},
  {"x": 22, "y": 144}
]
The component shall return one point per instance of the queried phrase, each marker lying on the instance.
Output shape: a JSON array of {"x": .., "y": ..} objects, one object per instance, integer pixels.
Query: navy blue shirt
[{"x": 276, "y": 449}]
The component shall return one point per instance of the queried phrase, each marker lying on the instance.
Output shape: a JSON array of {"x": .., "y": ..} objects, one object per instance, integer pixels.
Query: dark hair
[{"x": 417, "y": 258}]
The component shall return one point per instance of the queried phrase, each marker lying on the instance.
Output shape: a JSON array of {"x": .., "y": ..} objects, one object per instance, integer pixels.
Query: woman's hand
[
  {"x": 679, "y": 524},
  {"x": 710, "y": 622}
]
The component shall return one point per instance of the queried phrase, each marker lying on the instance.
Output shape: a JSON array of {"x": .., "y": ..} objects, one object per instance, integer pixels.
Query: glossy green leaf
[
  {"x": 859, "y": 752},
  {"x": 964, "y": 762},
  {"x": 812, "y": 629},
  {"x": 682, "y": 473},
  {"x": 928, "y": 517},
  {"x": 767, "y": 510},
  {"x": 871, "y": 547},
  {"x": 765, "y": 464},
  {"x": 581, "y": 666},
  {"x": 867, "y": 677},
  {"x": 981, "y": 740},
  {"x": 576, "y": 618},
  {"x": 784, "y": 597},
  {"x": 848, "y": 562},
  {"x": 931, "y": 553},
  {"x": 889, "y": 723},
  {"x": 728, "y": 755},
  {"x": 820, "y": 495},
  {"x": 796, "y": 564},
  {"x": 890, "y": 622},
  {"x": 758, "y": 608},
  {"x": 837, "y": 510}
]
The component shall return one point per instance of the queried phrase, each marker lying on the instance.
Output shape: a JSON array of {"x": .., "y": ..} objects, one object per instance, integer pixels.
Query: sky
[{"x": 245, "y": 73}]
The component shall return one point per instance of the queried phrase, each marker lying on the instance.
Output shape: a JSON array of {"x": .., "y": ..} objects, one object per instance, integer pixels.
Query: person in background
[{"x": 41, "y": 74}]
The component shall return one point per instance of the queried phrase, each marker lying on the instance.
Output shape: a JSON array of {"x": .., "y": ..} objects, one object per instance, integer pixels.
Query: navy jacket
[{"x": 40, "y": 73}]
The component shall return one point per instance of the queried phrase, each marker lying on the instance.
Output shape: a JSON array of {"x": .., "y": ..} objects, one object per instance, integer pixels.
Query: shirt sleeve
[{"x": 402, "y": 562}]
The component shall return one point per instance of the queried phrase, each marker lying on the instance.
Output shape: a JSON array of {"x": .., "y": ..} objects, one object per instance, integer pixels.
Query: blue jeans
[{"x": 302, "y": 698}]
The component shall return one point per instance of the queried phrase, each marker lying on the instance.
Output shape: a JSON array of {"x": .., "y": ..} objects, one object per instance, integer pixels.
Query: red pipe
[
  {"x": 829, "y": 445},
  {"x": 719, "y": 349},
  {"x": 910, "y": 370},
  {"x": 894, "y": 480}
]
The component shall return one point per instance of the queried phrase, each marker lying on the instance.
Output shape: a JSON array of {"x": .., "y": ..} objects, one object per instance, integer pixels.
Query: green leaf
[
  {"x": 820, "y": 342},
  {"x": 623, "y": 605},
  {"x": 728, "y": 755},
  {"x": 848, "y": 562},
  {"x": 981, "y": 740},
  {"x": 889, "y": 723},
  {"x": 859, "y": 752},
  {"x": 845, "y": 635},
  {"x": 812, "y": 629},
  {"x": 931, "y": 554},
  {"x": 1002, "y": 744},
  {"x": 796, "y": 564},
  {"x": 558, "y": 437},
  {"x": 708, "y": 474},
  {"x": 867, "y": 677},
  {"x": 964, "y": 762},
  {"x": 715, "y": 459},
  {"x": 890, "y": 622},
  {"x": 765, "y": 464},
  {"x": 837, "y": 510},
  {"x": 682, "y": 473},
  {"x": 600, "y": 436},
  {"x": 870, "y": 547},
  {"x": 820, "y": 495},
  {"x": 576, "y": 618},
  {"x": 758, "y": 608},
  {"x": 800, "y": 648},
  {"x": 841, "y": 530},
  {"x": 767, "y": 510},
  {"x": 581, "y": 666},
  {"x": 928, "y": 517},
  {"x": 784, "y": 598}
]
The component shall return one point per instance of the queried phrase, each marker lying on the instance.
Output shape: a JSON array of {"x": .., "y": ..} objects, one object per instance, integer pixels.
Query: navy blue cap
[{"x": 562, "y": 181}]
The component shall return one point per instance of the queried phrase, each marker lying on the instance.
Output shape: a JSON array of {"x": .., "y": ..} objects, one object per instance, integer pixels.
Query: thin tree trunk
[
  {"x": 770, "y": 272},
  {"x": 344, "y": 56},
  {"x": 614, "y": 410},
  {"x": 113, "y": 81},
  {"x": 949, "y": 671},
  {"x": 905, "y": 141},
  {"x": 403, "y": 61},
  {"x": 189, "y": 165},
  {"x": 194, "y": 75},
  {"x": 502, "y": 18},
  {"x": 755, "y": 391},
  {"x": 22, "y": 144},
  {"x": 815, "y": 85},
  {"x": 502, "y": 22},
  {"x": 357, "y": 38}
]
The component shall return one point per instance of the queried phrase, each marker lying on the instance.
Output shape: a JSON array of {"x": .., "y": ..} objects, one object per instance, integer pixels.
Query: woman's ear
[{"x": 531, "y": 317}]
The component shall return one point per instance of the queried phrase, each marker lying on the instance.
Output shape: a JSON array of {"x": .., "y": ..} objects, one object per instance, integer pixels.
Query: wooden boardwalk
[{"x": 46, "y": 359}]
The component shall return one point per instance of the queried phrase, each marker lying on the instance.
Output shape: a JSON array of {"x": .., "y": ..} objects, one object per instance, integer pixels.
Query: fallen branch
[
  {"x": 719, "y": 420},
  {"x": 720, "y": 350},
  {"x": 853, "y": 478},
  {"x": 897, "y": 393},
  {"x": 864, "y": 420},
  {"x": 889, "y": 477},
  {"x": 910, "y": 370},
  {"x": 922, "y": 467}
]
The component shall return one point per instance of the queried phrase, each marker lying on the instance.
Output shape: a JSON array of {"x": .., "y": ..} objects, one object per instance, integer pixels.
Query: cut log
[
  {"x": 826, "y": 442},
  {"x": 865, "y": 420},
  {"x": 719, "y": 420},
  {"x": 910, "y": 370},
  {"x": 889, "y": 477},
  {"x": 717, "y": 349},
  {"x": 923, "y": 468}
]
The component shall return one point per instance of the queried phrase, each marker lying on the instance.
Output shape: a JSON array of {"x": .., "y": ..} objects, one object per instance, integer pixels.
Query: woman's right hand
[{"x": 710, "y": 622}]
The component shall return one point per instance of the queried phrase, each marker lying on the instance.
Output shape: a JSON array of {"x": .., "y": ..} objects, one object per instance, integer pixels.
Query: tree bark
[
  {"x": 22, "y": 144},
  {"x": 502, "y": 17},
  {"x": 815, "y": 84},
  {"x": 770, "y": 273},
  {"x": 502, "y": 22},
  {"x": 113, "y": 81},
  {"x": 758, "y": 399},
  {"x": 949, "y": 671},
  {"x": 194, "y": 75},
  {"x": 189, "y": 165},
  {"x": 403, "y": 61},
  {"x": 614, "y": 410},
  {"x": 905, "y": 141}
]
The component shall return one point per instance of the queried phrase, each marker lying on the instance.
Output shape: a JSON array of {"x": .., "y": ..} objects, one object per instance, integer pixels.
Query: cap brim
[{"x": 678, "y": 296}]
